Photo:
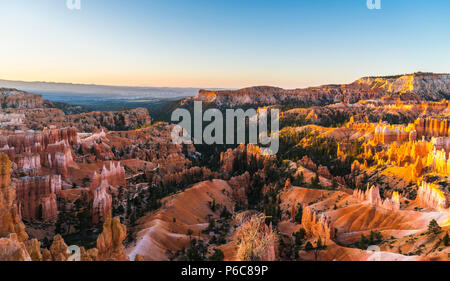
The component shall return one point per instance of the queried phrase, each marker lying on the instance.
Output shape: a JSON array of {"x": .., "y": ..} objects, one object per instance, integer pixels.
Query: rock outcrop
[
  {"x": 372, "y": 195},
  {"x": 102, "y": 203},
  {"x": 109, "y": 243},
  {"x": 37, "y": 197},
  {"x": 318, "y": 225},
  {"x": 111, "y": 120},
  {"x": 439, "y": 161},
  {"x": 242, "y": 155},
  {"x": 432, "y": 127},
  {"x": 431, "y": 196},
  {"x": 240, "y": 186},
  {"x": 32, "y": 150},
  {"x": 12, "y": 249},
  {"x": 414, "y": 87},
  {"x": 12, "y": 98},
  {"x": 59, "y": 249},
  {"x": 10, "y": 219},
  {"x": 114, "y": 176},
  {"x": 100, "y": 186}
]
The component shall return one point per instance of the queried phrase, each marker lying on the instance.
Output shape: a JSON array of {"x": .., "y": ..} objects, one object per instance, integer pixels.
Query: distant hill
[
  {"x": 49, "y": 88},
  {"x": 410, "y": 87}
]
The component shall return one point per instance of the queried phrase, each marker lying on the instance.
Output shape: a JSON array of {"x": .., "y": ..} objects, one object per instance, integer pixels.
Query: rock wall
[
  {"x": 111, "y": 120},
  {"x": 240, "y": 186},
  {"x": 413, "y": 87},
  {"x": 431, "y": 196},
  {"x": 50, "y": 148},
  {"x": 372, "y": 195},
  {"x": 114, "y": 176},
  {"x": 37, "y": 197},
  {"x": 102, "y": 203},
  {"x": 100, "y": 185},
  {"x": 318, "y": 226},
  {"x": 439, "y": 161},
  {"x": 12, "y": 98},
  {"x": 10, "y": 219},
  {"x": 386, "y": 134},
  {"x": 432, "y": 127},
  {"x": 12, "y": 249},
  {"x": 245, "y": 153},
  {"x": 109, "y": 243}
]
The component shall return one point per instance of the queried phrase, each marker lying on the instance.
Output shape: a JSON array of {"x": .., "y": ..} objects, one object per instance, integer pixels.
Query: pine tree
[
  {"x": 433, "y": 227},
  {"x": 446, "y": 240}
]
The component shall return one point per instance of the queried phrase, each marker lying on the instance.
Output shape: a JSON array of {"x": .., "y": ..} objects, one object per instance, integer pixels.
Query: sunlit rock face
[
  {"x": 100, "y": 186},
  {"x": 318, "y": 225},
  {"x": 12, "y": 98},
  {"x": 431, "y": 196},
  {"x": 102, "y": 203},
  {"x": 37, "y": 197},
  {"x": 439, "y": 161},
  {"x": 432, "y": 127},
  {"x": 372, "y": 196},
  {"x": 243, "y": 153},
  {"x": 414, "y": 87},
  {"x": 114, "y": 176},
  {"x": 109, "y": 243},
  {"x": 12, "y": 249},
  {"x": 32, "y": 150},
  {"x": 386, "y": 134},
  {"x": 10, "y": 219},
  {"x": 240, "y": 186}
]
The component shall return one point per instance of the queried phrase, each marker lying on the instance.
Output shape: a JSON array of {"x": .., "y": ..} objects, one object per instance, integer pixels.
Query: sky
[{"x": 221, "y": 43}]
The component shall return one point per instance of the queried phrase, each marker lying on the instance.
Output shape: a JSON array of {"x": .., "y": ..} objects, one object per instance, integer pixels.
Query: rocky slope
[{"x": 414, "y": 87}]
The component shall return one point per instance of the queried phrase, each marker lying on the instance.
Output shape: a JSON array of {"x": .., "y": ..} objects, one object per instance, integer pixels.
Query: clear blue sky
[{"x": 221, "y": 43}]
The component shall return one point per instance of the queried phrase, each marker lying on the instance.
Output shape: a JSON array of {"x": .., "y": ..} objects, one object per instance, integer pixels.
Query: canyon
[{"x": 360, "y": 165}]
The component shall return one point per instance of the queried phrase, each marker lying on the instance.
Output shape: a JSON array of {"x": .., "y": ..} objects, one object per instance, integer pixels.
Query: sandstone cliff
[
  {"x": 109, "y": 243},
  {"x": 10, "y": 219},
  {"x": 37, "y": 197},
  {"x": 418, "y": 86},
  {"x": 12, "y": 98}
]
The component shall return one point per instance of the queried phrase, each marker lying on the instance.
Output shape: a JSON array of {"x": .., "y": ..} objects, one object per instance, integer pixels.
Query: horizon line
[{"x": 217, "y": 88}]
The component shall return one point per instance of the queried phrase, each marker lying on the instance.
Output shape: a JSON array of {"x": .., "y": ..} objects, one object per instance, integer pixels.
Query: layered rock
[
  {"x": 240, "y": 186},
  {"x": 109, "y": 243},
  {"x": 412, "y": 87},
  {"x": 12, "y": 98},
  {"x": 102, "y": 203},
  {"x": 114, "y": 176},
  {"x": 386, "y": 134},
  {"x": 439, "y": 161},
  {"x": 37, "y": 197},
  {"x": 431, "y": 196},
  {"x": 246, "y": 154},
  {"x": 12, "y": 249},
  {"x": 11, "y": 119},
  {"x": 10, "y": 219},
  {"x": 432, "y": 127},
  {"x": 318, "y": 226},
  {"x": 50, "y": 148},
  {"x": 100, "y": 185},
  {"x": 109, "y": 120},
  {"x": 372, "y": 195}
]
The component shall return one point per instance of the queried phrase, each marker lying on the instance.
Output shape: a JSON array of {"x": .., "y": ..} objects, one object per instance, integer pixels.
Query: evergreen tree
[
  {"x": 433, "y": 227},
  {"x": 446, "y": 240}
]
